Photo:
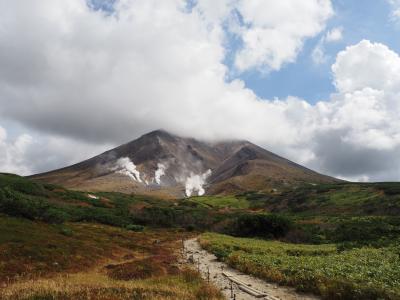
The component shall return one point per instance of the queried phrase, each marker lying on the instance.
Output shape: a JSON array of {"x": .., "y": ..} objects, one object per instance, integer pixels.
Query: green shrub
[
  {"x": 133, "y": 227},
  {"x": 190, "y": 227},
  {"x": 16, "y": 204},
  {"x": 55, "y": 216},
  {"x": 66, "y": 231},
  {"x": 262, "y": 225},
  {"x": 367, "y": 230},
  {"x": 22, "y": 185},
  {"x": 104, "y": 216},
  {"x": 362, "y": 273},
  {"x": 389, "y": 188}
]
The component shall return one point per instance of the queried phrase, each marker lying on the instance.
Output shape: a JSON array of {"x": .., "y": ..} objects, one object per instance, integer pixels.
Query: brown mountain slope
[{"x": 163, "y": 164}]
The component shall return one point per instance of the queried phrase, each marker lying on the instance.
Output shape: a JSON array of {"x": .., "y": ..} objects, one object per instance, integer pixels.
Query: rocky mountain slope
[{"x": 167, "y": 165}]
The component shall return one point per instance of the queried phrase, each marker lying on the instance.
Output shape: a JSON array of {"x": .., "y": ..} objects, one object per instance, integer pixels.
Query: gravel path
[{"x": 207, "y": 262}]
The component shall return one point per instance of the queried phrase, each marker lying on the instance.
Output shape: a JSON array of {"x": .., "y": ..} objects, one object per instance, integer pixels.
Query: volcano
[{"x": 162, "y": 164}]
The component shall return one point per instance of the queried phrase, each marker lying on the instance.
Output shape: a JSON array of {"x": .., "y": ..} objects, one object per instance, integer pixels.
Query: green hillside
[
  {"x": 314, "y": 237},
  {"x": 332, "y": 199}
]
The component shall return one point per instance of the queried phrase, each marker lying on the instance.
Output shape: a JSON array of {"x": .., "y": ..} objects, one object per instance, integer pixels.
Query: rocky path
[{"x": 213, "y": 269}]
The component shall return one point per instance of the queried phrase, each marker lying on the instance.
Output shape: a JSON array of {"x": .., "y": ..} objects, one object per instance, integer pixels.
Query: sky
[{"x": 316, "y": 81}]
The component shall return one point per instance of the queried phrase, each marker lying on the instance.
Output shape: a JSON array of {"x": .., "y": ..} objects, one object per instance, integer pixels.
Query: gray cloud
[{"x": 335, "y": 156}]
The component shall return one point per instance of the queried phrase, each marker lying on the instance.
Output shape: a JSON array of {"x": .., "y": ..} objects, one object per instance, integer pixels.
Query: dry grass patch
[
  {"x": 31, "y": 250},
  {"x": 154, "y": 266},
  {"x": 90, "y": 261},
  {"x": 99, "y": 286}
]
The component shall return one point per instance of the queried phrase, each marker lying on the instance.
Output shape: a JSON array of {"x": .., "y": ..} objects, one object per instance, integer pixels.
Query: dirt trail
[{"x": 208, "y": 261}]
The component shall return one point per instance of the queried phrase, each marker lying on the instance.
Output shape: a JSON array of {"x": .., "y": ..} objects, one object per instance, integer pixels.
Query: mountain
[{"x": 163, "y": 164}]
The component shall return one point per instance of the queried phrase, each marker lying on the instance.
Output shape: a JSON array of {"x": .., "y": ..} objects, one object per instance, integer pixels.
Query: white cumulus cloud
[
  {"x": 359, "y": 128},
  {"x": 277, "y": 31},
  {"x": 367, "y": 64},
  {"x": 272, "y": 32},
  {"x": 85, "y": 80}
]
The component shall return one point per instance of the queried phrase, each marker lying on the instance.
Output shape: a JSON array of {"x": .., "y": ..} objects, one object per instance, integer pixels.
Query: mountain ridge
[{"x": 168, "y": 165}]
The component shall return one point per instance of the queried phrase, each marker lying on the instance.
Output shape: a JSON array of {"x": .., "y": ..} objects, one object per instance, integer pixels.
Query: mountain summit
[{"x": 164, "y": 164}]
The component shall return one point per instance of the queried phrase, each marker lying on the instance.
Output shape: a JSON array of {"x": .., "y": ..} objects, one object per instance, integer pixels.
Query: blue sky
[{"x": 359, "y": 20}]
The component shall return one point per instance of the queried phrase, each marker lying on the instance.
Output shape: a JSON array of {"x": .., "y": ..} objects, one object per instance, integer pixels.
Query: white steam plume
[
  {"x": 195, "y": 183},
  {"x": 159, "y": 172},
  {"x": 126, "y": 167}
]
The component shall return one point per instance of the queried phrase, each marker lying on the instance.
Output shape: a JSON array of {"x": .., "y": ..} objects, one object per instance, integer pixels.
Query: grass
[
  {"x": 351, "y": 199},
  {"x": 186, "y": 285},
  {"x": 32, "y": 249},
  {"x": 222, "y": 201},
  {"x": 59, "y": 242},
  {"x": 32, "y": 200},
  {"x": 93, "y": 261},
  {"x": 362, "y": 273}
]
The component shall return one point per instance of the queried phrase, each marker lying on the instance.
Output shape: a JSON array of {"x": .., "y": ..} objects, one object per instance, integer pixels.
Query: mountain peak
[
  {"x": 158, "y": 132},
  {"x": 162, "y": 163}
]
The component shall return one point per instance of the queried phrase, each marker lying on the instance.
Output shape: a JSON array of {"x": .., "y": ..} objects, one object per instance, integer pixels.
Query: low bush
[
  {"x": 389, "y": 188},
  {"x": 66, "y": 231},
  {"x": 261, "y": 225},
  {"x": 190, "y": 227},
  {"x": 367, "y": 230},
  {"x": 16, "y": 204},
  {"x": 133, "y": 227},
  {"x": 55, "y": 216},
  {"x": 358, "y": 273}
]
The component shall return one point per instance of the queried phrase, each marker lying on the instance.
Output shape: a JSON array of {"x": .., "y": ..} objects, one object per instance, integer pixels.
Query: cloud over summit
[{"x": 73, "y": 74}]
